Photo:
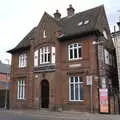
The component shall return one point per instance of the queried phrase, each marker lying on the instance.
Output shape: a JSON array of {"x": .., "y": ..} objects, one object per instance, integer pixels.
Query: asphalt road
[
  {"x": 47, "y": 115},
  {"x": 29, "y": 115}
]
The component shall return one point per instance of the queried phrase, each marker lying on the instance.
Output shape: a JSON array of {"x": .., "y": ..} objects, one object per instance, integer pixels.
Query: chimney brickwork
[
  {"x": 57, "y": 15},
  {"x": 70, "y": 11}
]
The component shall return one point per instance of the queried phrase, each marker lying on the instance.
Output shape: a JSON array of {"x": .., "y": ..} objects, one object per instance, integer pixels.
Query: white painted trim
[
  {"x": 78, "y": 83},
  {"x": 21, "y": 89},
  {"x": 44, "y": 51},
  {"x": 53, "y": 55},
  {"x": 73, "y": 48},
  {"x": 36, "y": 58},
  {"x": 23, "y": 60}
]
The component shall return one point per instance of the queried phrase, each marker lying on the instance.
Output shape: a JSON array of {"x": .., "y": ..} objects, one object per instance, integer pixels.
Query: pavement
[{"x": 48, "y": 115}]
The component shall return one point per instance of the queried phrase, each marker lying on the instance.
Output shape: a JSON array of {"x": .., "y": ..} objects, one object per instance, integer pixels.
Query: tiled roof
[
  {"x": 80, "y": 22},
  {"x": 77, "y": 24},
  {"x": 4, "y": 68}
]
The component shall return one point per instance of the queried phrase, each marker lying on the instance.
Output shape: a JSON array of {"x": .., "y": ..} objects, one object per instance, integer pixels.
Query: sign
[
  {"x": 89, "y": 80},
  {"x": 74, "y": 65},
  {"x": 103, "y": 93}
]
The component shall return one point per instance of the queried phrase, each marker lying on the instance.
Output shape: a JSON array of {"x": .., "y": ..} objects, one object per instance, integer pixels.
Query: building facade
[
  {"x": 116, "y": 40},
  {"x": 4, "y": 85},
  {"x": 54, "y": 65}
]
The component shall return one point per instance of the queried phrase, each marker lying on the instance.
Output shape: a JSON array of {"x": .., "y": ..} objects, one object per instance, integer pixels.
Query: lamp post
[{"x": 6, "y": 88}]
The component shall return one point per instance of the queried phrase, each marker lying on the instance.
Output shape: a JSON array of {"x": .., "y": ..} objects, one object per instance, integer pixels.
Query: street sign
[{"x": 89, "y": 80}]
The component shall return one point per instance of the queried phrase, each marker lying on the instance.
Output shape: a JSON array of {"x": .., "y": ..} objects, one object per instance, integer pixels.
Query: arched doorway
[{"x": 44, "y": 94}]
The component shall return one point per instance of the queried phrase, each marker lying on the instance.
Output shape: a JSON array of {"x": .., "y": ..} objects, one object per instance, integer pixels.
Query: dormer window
[
  {"x": 80, "y": 23},
  {"x": 86, "y": 22},
  {"x": 44, "y": 34}
]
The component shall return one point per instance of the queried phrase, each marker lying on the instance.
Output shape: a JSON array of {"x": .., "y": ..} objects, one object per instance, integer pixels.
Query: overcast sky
[{"x": 18, "y": 17}]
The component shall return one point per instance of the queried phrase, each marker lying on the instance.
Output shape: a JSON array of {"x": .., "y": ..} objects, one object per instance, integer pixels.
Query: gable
[
  {"x": 48, "y": 26},
  {"x": 103, "y": 26}
]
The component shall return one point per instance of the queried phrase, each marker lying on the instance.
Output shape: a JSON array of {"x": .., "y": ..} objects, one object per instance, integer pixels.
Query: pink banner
[{"x": 103, "y": 93}]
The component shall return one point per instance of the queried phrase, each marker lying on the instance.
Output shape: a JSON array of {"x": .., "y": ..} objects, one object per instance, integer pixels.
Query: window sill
[
  {"x": 20, "y": 99},
  {"x": 75, "y": 59},
  {"x": 76, "y": 100},
  {"x": 70, "y": 102},
  {"x": 22, "y": 67},
  {"x": 46, "y": 64}
]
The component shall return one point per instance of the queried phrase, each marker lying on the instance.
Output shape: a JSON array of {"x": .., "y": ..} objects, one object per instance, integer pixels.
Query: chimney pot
[
  {"x": 70, "y": 10},
  {"x": 57, "y": 15}
]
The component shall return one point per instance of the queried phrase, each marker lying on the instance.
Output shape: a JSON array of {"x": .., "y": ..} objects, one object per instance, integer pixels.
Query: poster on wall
[{"x": 103, "y": 93}]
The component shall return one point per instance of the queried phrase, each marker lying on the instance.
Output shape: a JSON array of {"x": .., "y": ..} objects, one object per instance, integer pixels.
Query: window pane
[
  {"x": 76, "y": 79},
  {"x": 45, "y": 58},
  {"x": 49, "y": 56},
  {"x": 76, "y": 88},
  {"x": 81, "y": 92},
  {"x": 72, "y": 92},
  {"x": 42, "y": 57},
  {"x": 23, "y": 60},
  {"x": 75, "y": 45},
  {"x": 45, "y": 55},
  {"x": 72, "y": 79},
  {"x": 79, "y": 45},
  {"x": 71, "y": 54},
  {"x": 76, "y": 91},
  {"x": 79, "y": 52},
  {"x": 75, "y": 53},
  {"x": 21, "y": 89}
]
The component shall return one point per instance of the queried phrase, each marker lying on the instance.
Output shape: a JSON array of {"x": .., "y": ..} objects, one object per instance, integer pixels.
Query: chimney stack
[
  {"x": 70, "y": 11},
  {"x": 57, "y": 15}
]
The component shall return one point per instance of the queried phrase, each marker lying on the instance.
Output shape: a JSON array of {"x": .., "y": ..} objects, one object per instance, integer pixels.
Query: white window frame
[
  {"x": 36, "y": 58},
  {"x": 44, "y": 34},
  {"x": 45, "y": 51},
  {"x": 53, "y": 55},
  {"x": 21, "y": 89},
  {"x": 72, "y": 47},
  {"x": 108, "y": 57},
  {"x": 105, "y": 34},
  {"x": 23, "y": 60},
  {"x": 75, "y": 83}
]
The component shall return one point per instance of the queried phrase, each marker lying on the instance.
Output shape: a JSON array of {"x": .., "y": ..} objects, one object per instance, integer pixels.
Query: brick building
[
  {"x": 51, "y": 64},
  {"x": 4, "y": 85}
]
